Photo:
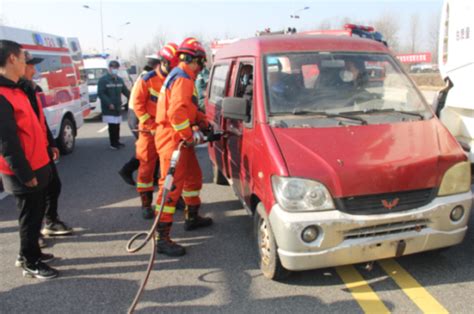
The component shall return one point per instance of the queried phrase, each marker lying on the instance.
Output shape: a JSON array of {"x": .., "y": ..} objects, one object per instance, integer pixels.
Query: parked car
[
  {"x": 423, "y": 68},
  {"x": 334, "y": 168}
]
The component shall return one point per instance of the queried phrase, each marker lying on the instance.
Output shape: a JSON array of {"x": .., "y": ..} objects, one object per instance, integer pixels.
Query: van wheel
[
  {"x": 67, "y": 137},
  {"x": 267, "y": 250},
  {"x": 218, "y": 177}
]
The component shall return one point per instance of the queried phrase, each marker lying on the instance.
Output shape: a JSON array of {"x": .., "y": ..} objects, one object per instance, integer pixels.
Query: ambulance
[
  {"x": 65, "y": 99},
  {"x": 456, "y": 64}
]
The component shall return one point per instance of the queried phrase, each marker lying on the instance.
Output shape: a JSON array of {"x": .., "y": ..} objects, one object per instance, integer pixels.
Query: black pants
[
  {"x": 52, "y": 194},
  {"x": 114, "y": 134},
  {"x": 133, "y": 164},
  {"x": 32, "y": 208}
]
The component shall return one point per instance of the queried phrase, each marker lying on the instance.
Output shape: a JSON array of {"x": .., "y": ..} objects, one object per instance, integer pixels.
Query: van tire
[
  {"x": 267, "y": 250},
  {"x": 67, "y": 137},
  {"x": 218, "y": 177}
]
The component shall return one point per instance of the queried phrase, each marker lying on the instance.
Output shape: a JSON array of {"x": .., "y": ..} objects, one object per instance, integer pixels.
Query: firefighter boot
[
  {"x": 147, "y": 208},
  {"x": 193, "y": 220},
  {"x": 164, "y": 245}
]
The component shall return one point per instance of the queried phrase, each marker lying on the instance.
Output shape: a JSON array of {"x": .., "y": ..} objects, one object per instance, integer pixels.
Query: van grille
[
  {"x": 386, "y": 229},
  {"x": 385, "y": 203}
]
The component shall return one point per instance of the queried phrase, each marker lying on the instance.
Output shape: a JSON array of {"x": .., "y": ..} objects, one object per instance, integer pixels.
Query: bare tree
[
  {"x": 389, "y": 26},
  {"x": 433, "y": 35},
  {"x": 324, "y": 24},
  {"x": 415, "y": 37}
]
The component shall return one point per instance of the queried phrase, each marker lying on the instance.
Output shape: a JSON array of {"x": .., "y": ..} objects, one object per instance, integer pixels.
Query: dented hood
[{"x": 370, "y": 159}]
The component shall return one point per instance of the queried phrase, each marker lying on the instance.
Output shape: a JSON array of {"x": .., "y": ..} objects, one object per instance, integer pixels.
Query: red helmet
[
  {"x": 191, "y": 46},
  {"x": 169, "y": 53}
]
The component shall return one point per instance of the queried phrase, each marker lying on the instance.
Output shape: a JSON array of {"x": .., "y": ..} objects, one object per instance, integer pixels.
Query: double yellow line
[{"x": 369, "y": 300}]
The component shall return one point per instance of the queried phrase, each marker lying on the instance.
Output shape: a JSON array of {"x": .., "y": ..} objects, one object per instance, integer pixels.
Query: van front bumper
[{"x": 348, "y": 239}]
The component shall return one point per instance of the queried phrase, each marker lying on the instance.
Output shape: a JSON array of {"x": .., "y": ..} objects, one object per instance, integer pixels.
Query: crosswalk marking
[{"x": 105, "y": 128}]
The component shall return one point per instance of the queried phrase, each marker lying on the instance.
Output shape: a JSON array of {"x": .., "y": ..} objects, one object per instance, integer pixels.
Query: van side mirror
[{"x": 236, "y": 108}]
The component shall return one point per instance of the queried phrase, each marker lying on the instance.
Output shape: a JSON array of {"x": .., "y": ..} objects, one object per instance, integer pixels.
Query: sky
[{"x": 174, "y": 20}]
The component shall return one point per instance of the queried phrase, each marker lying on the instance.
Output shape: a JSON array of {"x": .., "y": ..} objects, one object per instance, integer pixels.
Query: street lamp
[
  {"x": 295, "y": 16},
  {"x": 101, "y": 22},
  {"x": 117, "y": 41}
]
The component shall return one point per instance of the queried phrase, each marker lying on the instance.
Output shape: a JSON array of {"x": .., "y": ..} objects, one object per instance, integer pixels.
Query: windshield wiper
[
  {"x": 416, "y": 114},
  {"x": 328, "y": 115}
]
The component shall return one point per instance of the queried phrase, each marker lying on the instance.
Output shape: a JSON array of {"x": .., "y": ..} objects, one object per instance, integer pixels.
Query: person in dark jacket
[
  {"x": 53, "y": 226},
  {"x": 24, "y": 159},
  {"x": 109, "y": 89}
]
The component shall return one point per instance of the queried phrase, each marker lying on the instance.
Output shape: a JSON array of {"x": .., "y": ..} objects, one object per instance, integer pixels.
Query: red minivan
[{"x": 336, "y": 167}]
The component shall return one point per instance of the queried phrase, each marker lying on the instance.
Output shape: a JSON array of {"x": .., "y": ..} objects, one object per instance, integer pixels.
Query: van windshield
[
  {"x": 327, "y": 84},
  {"x": 93, "y": 75}
]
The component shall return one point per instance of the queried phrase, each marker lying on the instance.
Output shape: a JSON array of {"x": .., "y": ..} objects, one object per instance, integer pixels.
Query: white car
[{"x": 423, "y": 68}]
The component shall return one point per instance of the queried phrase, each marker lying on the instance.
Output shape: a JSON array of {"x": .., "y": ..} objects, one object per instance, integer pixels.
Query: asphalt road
[{"x": 219, "y": 273}]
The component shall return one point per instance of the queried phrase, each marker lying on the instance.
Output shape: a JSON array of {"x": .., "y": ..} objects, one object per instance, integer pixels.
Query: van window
[
  {"x": 93, "y": 75},
  {"x": 218, "y": 83},
  {"x": 55, "y": 71},
  {"x": 341, "y": 83}
]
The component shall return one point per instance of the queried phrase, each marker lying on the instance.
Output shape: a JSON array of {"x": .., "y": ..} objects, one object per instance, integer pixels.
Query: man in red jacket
[{"x": 24, "y": 160}]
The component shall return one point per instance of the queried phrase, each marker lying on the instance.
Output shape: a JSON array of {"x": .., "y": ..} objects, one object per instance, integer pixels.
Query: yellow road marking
[
  {"x": 425, "y": 301},
  {"x": 361, "y": 291}
]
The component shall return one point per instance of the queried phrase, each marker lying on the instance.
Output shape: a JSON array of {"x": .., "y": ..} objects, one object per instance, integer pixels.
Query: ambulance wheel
[
  {"x": 218, "y": 177},
  {"x": 67, "y": 136},
  {"x": 267, "y": 249}
]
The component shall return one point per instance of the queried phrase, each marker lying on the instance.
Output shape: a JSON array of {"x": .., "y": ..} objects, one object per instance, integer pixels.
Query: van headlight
[
  {"x": 294, "y": 194},
  {"x": 456, "y": 179}
]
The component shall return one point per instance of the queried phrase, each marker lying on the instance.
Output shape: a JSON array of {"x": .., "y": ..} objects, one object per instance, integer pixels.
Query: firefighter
[
  {"x": 178, "y": 119},
  {"x": 127, "y": 170},
  {"x": 144, "y": 97}
]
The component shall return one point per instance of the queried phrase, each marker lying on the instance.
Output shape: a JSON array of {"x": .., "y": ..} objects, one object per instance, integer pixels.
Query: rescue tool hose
[{"x": 151, "y": 235}]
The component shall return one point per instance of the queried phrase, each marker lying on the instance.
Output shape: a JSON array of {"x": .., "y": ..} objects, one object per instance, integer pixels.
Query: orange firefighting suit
[
  {"x": 145, "y": 97},
  {"x": 177, "y": 113}
]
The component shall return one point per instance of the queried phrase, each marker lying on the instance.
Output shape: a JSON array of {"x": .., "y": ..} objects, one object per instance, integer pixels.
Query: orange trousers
[
  {"x": 187, "y": 181},
  {"x": 146, "y": 154}
]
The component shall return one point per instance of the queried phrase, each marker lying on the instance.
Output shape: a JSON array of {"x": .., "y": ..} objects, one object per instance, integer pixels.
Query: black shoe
[
  {"x": 170, "y": 248},
  {"x": 121, "y": 145},
  {"x": 42, "y": 242},
  {"x": 45, "y": 258},
  {"x": 39, "y": 270},
  {"x": 56, "y": 228},
  {"x": 197, "y": 222},
  {"x": 148, "y": 213},
  {"x": 114, "y": 147},
  {"x": 127, "y": 177}
]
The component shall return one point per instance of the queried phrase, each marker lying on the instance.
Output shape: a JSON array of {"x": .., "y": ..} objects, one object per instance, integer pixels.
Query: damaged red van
[{"x": 337, "y": 167}]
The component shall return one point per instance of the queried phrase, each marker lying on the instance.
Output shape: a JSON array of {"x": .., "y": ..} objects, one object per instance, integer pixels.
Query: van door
[
  {"x": 217, "y": 90},
  {"x": 239, "y": 148}
]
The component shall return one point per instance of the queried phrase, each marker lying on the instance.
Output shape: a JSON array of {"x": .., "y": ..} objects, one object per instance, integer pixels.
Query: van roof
[
  {"x": 257, "y": 46},
  {"x": 96, "y": 63}
]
